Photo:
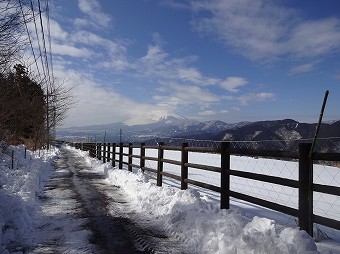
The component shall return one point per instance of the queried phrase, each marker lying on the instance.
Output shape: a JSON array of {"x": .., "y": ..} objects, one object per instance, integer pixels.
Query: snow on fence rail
[{"x": 158, "y": 159}]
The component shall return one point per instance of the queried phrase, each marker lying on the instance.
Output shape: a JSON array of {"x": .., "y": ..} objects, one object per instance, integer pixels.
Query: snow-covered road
[
  {"x": 63, "y": 201},
  {"x": 83, "y": 214}
]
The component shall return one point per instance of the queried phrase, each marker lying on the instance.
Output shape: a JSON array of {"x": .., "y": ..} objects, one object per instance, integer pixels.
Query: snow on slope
[
  {"x": 18, "y": 192},
  {"x": 288, "y": 135}
]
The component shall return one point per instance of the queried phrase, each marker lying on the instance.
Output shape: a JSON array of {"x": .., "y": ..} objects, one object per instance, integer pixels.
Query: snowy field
[
  {"x": 192, "y": 215},
  {"x": 324, "y": 204}
]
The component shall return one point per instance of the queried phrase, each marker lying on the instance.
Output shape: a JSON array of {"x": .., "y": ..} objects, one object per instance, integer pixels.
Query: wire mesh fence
[
  {"x": 322, "y": 145},
  {"x": 324, "y": 173}
]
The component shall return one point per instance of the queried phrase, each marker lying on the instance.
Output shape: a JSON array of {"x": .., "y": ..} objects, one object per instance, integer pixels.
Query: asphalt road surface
[{"x": 81, "y": 213}]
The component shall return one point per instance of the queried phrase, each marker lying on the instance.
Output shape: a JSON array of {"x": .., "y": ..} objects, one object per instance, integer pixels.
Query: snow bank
[
  {"x": 199, "y": 222},
  {"x": 19, "y": 188}
]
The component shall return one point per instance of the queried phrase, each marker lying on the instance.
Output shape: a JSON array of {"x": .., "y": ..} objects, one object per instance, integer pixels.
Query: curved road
[{"x": 82, "y": 214}]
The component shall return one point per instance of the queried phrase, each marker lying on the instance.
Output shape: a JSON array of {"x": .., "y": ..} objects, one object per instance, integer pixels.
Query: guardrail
[{"x": 114, "y": 153}]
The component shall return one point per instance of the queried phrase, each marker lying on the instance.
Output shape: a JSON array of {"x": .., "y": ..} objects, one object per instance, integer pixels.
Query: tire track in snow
[{"x": 82, "y": 214}]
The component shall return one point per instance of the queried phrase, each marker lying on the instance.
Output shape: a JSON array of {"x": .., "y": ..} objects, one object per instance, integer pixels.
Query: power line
[
  {"x": 38, "y": 40},
  {"x": 49, "y": 37},
  {"x": 29, "y": 38},
  {"x": 44, "y": 43},
  {"x": 49, "y": 78}
]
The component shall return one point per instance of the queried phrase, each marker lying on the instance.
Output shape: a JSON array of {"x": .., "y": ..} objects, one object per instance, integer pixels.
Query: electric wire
[
  {"x": 44, "y": 43},
  {"x": 49, "y": 38},
  {"x": 38, "y": 41},
  {"x": 29, "y": 38}
]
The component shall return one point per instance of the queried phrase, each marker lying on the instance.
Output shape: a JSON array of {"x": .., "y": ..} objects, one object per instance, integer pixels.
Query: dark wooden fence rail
[{"x": 108, "y": 153}]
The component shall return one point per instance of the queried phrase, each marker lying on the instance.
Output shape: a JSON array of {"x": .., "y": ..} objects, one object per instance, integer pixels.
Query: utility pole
[
  {"x": 47, "y": 118},
  {"x": 319, "y": 124}
]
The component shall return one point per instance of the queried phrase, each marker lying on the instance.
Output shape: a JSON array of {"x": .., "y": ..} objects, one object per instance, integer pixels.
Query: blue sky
[{"x": 230, "y": 60}]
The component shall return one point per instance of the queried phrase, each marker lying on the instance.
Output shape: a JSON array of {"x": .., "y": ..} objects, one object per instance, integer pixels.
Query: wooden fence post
[
  {"x": 142, "y": 155},
  {"x": 113, "y": 154},
  {"x": 225, "y": 175},
  {"x": 160, "y": 163},
  {"x": 121, "y": 156},
  {"x": 100, "y": 152},
  {"x": 184, "y": 169},
  {"x": 93, "y": 148},
  {"x": 130, "y": 157},
  {"x": 305, "y": 189},
  {"x": 108, "y": 151},
  {"x": 12, "y": 156},
  {"x": 97, "y": 149},
  {"x": 104, "y": 152}
]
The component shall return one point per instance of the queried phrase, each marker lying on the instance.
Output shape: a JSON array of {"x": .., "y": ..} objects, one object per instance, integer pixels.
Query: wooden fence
[{"x": 107, "y": 152}]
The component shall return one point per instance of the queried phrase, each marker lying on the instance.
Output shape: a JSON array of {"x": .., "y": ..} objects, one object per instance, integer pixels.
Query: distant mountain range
[
  {"x": 163, "y": 126},
  {"x": 285, "y": 132}
]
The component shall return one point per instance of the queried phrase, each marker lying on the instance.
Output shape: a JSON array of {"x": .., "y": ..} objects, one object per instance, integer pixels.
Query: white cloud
[
  {"x": 63, "y": 43},
  {"x": 303, "y": 68},
  {"x": 190, "y": 74},
  {"x": 232, "y": 84},
  {"x": 255, "y": 28},
  {"x": 58, "y": 32},
  {"x": 115, "y": 64},
  {"x": 178, "y": 95},
  {"x": 69, "y": 50},
  {"x": 154, "y": 55},
  {"x": 255, "y": 97},
  {"x": 78, "y": 22},
  {"x": 88, "y": 38},
  {"x": 113, "y": 53},
  {"x": 207, "y": 113},
  {"x": 92, "y": 8},
  {"x": 194, "y": 76},
  {"x": 97, "y": 105},
  {"x": 192, "y": 94},
  {"x": 315, "y": 38},
  {"x": 158, "y": 64},
  {"x": 265, "y": 30}
]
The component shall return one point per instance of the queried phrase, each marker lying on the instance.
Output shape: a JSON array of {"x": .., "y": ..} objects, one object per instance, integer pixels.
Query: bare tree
[
  {"x": 60, "y": 100},
  {"x": 11, "y": 29},
  {"x": 30, "y": 107}
]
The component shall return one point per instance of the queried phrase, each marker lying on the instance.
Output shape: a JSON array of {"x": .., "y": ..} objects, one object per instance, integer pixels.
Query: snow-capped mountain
[
  {"x": 154, "y": 117},
  {"x": 151, "y": 125},
  {"x": 285, "y": 131}
]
